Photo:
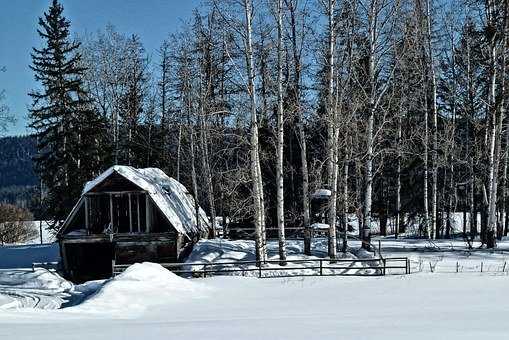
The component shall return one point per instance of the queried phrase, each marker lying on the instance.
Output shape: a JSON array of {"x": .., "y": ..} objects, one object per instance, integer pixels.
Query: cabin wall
[
  {"x": 133, "y": 252},
  {"x": 90, "y": 257}
]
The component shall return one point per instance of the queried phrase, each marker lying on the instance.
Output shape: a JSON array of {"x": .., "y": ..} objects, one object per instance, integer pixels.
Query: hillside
[{"x": 17, "y": 176}]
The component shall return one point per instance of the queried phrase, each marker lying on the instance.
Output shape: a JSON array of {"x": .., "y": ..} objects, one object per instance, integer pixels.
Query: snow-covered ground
[
  {"x": 424, "y": 255},
  {"x": 151, "y": 303},
  {"x": 23, "y": 256}
]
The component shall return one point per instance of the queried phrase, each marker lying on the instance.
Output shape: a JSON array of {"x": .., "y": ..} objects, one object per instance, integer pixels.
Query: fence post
[
  {"x": 503, "y": 269},
  {"x": 380, "y": 248},
  {"x": 457, "y": 267},
  {"x": 321, "y": 268},
  {"x": 259, "y": 270},
  {"x": 204, "y": 270},
  {"x": 384, "y": 263},
  {"x": 481, "y": 266},
  {"x": 407, "y": 266}
]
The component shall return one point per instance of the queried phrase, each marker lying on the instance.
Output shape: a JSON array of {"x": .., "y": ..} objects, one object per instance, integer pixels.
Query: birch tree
[
  {"x": 380, "y": 18},
  {"x": 496, "y": 37},
  {"x": 296, "y": 94},
  {"x": 329, "y": 8},
  {"x": 280, "y": 136}
]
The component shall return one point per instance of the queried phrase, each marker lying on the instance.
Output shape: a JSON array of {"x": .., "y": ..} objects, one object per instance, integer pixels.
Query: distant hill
[{"x": 17, "y": 177}]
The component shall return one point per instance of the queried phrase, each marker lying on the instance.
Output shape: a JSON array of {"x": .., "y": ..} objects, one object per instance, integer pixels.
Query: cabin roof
[{"x": 169, "y": 195}]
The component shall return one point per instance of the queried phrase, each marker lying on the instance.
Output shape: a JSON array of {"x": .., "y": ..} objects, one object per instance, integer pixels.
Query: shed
[{"x": 129, "y": 215}]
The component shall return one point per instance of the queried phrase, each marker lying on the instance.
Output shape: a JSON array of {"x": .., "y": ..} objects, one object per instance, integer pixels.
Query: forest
[
  {"x": 18, "y": 180},
  {"x": 397, "y": 107}
]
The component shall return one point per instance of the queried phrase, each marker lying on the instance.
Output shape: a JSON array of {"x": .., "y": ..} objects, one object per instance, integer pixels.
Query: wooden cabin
[{"x": 129, "y": 215}]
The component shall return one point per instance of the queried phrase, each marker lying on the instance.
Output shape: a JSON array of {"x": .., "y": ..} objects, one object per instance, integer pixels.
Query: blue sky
[{"x": 152, "y": 20}]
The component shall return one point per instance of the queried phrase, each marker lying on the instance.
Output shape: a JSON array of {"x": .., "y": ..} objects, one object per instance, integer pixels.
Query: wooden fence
[{"x": 274, "y": 269}]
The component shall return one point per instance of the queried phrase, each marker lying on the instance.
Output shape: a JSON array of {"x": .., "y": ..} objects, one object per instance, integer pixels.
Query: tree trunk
[
  {"x": 280, "y": 137},
  {"x": 497, "y": 111},
  {"x": 503, "y": 183},
  {"x": 434, "y": 159},
  {"x": 397, "y": 229},
  {"x": 368, "y": 191},
  {"x": 331, "y": 133},
  {"x": 259, "y": 213},
  {"x": 345, "y": 205},
  {"x": 193, "y": 174}
]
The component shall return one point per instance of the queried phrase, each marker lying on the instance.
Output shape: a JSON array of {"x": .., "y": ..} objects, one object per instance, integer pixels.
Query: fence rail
[
  {"x": 46, "y": 265},
  {"x": 467, "y": 266},
  {"x": 274, "y": 268}
]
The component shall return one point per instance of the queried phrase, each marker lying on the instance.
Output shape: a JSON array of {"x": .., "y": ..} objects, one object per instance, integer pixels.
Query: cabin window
[
  {"x": 118, "y": 206},
  {"x": 119, "y": 213}
]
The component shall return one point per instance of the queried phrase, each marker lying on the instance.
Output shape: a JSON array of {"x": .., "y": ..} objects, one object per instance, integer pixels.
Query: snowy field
[{"x": 151, "y": 303}]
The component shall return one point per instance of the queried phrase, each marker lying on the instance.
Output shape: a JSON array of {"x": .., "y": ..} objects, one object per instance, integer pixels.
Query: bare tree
[
  {"x": 5, "y": 117},
  {"x": 496, "y": 40},
  {"x": 280, "y": 136}
]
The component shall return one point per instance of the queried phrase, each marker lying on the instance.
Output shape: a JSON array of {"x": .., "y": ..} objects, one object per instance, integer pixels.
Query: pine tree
[{"x": 68, "y": 131}]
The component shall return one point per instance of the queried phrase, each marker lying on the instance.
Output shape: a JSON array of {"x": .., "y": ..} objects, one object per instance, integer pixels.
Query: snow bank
[
  {"x": 32, "y": 289},
  {"x": 141, "y": 286},
  {"x": 38, "y": 279},
  {"x": 153, "y": 274}
]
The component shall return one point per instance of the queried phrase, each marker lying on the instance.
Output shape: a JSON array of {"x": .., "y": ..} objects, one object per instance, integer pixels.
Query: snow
[
  {"x": 320, "y": 226},
  {"x": 148, "y": 303},
  {"x": 26, "y": 288},
  {"x": 132, "y": 292},
  {"x": 446, "y": 255},
  {"x": 24, "y": 255},
  {"x": 321, "y": 193},
  {"x": 222, "y": 255}
]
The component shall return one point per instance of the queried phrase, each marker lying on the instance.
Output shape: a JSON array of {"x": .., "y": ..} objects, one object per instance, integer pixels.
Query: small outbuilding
[{"x": 129, "y": 215}]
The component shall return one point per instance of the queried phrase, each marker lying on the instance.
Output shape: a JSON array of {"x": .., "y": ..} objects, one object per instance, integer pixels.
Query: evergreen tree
[{"x": 68, "y": 131}]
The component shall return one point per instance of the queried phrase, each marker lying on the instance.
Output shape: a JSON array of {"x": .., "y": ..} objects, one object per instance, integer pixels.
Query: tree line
[{"x": 395, "y": 106}]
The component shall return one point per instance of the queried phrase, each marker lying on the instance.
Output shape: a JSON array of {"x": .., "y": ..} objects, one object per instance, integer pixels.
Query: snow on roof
[
  {"x": 321, "y": 193},
  {"x": 320, "y": 226},
  {"x": 170, "y": 196}
]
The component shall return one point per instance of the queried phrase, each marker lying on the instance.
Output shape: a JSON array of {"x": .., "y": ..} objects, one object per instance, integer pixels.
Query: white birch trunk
[
  {"x": 259, "y": 213},
  {"x": 331, "y": 133},
  {"x": 371, "y": 117},
  {"x": 280, "y": 137},
  {"x": 496, "y": 122},
  {"x": 434, "y": 153},
  {"x": 398, "y": 181}
]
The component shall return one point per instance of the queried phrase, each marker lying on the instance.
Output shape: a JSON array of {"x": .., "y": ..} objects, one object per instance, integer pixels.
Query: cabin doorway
[{"x": 86, "y": 261}]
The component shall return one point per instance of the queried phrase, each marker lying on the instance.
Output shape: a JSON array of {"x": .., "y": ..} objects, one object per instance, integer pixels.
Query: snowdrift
[
  {"x": 32, "y": 289},
  {"x": 141, "y": 286}
]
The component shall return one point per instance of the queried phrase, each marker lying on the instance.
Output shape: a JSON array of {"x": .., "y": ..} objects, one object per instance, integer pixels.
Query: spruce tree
[{"x": 68, "y": 131}]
